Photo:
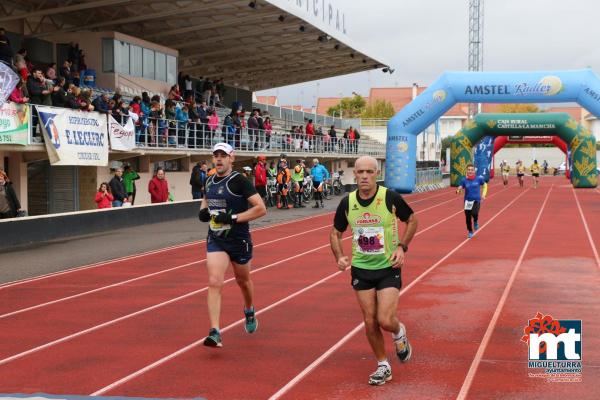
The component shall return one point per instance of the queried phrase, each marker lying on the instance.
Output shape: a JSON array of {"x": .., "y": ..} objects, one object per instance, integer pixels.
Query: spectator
[
  {"x": 182, "y": 116},
  {"x": 170, "y": 116},
  {"x": 229, "y": 129},
  {"x": 104, "y": 198},
  {"x": 213, "y": 122},
  {"x": 238, "y": 122},
  {"x": 158, "y": 187},
  {"x": 189, "y": 91},
  {"x": 198, "y": 180},
  {"x": 268, "y": 131},
  {"x": 327, "y": 142},
  {"x": 356, "y": 140},
  {"x": 117, "y": 96},
  {"x": 221, "y": 88},
  {"x": 58, "y": 95},
  {"x": 174, "y": 93},
  {"x": 310, "y": 134},
  {"x": 65, "y": 72},
  {"x": 334, "y": 139},
  {"x": 156, "y": 122},
  {"x": 21, "y": 64},
  {"x": 206, "y": 89},
  {"x": 51, "y": 72},
  {"x": 260, "y": 176},
  {"x": 9, "y": 203},
  {"x": 84, "y": 100},
  {"x": 36, "y": 87},
  {"x": 71, "y": 97},
  {"x": 100, "y": 103},
  {"x": 253, "y": 131},
  {"x": 129, "y": 178},
  {"x": 6, "y": 53},
  {"x": 18, "y": 94},
  {"x": 117, "y": 187}
]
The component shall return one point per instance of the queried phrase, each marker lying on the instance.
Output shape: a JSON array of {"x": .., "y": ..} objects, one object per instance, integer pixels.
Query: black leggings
[{"x": 472, "y": 213}]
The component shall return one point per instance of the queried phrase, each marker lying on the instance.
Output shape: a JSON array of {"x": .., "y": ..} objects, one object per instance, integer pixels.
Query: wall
[
  {"x": 88, "y": 185},
  {"x": 552, "y": 154}
]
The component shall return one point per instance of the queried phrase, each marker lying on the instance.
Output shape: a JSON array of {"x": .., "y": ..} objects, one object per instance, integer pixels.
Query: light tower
[{"x": 475, "y": 43}]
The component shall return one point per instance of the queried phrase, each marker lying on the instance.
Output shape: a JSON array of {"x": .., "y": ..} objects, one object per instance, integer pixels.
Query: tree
[
  {"x": 514, "y": 108},
  {"x": 351, "y": 107},
  {"x": 380, "y": 109}
]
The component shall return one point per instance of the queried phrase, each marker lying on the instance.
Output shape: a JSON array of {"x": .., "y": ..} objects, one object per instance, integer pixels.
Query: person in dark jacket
[
  {"x": 9, "y": 203},
  {"x": 117, "y": 188},
  {"x": 6, "y": 53},
  {"x": 198, "y": 180},
  {"x": 59, "y": 94},
  {"x": 100, "y": 103}
]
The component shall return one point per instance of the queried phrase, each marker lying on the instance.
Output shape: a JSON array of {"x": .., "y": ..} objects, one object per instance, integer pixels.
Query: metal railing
[{"x": 428, "y": 179}]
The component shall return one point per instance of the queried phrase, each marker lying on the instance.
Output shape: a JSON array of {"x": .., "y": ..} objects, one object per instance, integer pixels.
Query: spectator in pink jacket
[
  {"x": 159, "y": 187},
  {"x": 213, "y": 122}
]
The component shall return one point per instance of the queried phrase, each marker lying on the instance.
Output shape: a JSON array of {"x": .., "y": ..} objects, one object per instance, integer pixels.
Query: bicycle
[
  {"x": 308, "y": 188},
  {"x": 271, "y": 192},
  {"x": 337, "y": 186}
]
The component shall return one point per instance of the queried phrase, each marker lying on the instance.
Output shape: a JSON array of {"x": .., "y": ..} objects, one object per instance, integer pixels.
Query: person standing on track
[
  {"x": 505, "y": 168},
  {"x": 473, "y": 196},
  {"x": 231, "y": 201},
  {"x": 520, "y": 172},
  {"x": 535, "y": 172},
  {"x": 377, "y": 259},
  {"x": 284, "y": 178},
  {"x": 319, "y": 174},
  {"x": 298, "y": 181}
]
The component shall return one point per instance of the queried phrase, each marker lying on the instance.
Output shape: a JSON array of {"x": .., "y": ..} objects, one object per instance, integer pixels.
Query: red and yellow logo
[{"x": 368, "y": 219}]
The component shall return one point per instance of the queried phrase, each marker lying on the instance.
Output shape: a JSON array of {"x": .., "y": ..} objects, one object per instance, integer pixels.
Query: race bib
[
  {"x": 370, "y": 240},
  {"x": 215, "y": 226},
  {"x": 469, "y": 204}
]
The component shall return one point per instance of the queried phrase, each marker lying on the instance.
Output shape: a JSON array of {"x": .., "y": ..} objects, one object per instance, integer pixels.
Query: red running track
[{"x": 132, "y": 327}]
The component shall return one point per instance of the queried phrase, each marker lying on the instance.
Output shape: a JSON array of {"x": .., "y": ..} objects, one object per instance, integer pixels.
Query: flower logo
[
  {"x": 439, "y": 96},
  {"x": 553, "y": 84}
]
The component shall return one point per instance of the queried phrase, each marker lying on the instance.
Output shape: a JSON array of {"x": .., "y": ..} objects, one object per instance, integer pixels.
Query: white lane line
[
  {"x": 143, "y": 254},
  {"x": 164, "y": 271},
  {"x": 587, "y": 229},
  {"x": 464, "y": 390},
  {"x": 191, "y": 345},
  {"x": 347, "y": 337}
]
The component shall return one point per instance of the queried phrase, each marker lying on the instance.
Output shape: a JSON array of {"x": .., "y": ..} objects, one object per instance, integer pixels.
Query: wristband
[{"x": 404, "y": 247}]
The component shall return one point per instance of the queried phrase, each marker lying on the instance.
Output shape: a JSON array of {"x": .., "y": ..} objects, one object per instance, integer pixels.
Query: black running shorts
[{"x": 365, "y": 279}]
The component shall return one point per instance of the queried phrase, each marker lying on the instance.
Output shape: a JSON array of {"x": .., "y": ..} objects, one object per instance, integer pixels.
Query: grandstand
[{"x": 134, "y": 47}]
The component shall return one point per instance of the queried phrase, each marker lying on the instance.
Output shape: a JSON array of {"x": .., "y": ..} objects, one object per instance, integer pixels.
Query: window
[
  {"x": 108, "y": 58},
  {"x": 160, "y": 67},
  {"x": 135, "y": 60},
  {"x": 121, "y": 57},
  {"x": 148, "y": 64},
  {"x": 172, "y": 70},
  {"x": 169, "y": 166}
]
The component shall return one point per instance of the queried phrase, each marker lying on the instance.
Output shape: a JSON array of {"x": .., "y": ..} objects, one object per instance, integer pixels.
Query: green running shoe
[{"x": 251, "y": 322}]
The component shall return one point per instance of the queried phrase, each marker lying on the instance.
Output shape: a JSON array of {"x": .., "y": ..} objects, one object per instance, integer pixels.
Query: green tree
[
  {"x": 351, "y": 107},
  {"x": 380, "y": 109}
]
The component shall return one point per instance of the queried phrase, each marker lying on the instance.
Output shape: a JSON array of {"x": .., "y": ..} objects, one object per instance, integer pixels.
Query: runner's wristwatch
[
  {"x": 404, "y": 247},
  {"x": 234, "y": 218}
]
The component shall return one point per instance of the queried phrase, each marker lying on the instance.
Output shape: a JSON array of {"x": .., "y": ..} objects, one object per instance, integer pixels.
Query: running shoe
[
  {"x": 381, "y": 376},
  {"x": 403, "y": 348},
  {"x": 476, "y": 225},
  {"x": 213, "y": 339},
  {"x": 251, "y": 322},
  {"x": 470, "y": 235}
]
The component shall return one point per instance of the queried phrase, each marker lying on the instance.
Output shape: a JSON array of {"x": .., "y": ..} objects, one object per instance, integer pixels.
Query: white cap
[
  {"x": 224, "y": 147},
  {"x": 247, "y": 169}
]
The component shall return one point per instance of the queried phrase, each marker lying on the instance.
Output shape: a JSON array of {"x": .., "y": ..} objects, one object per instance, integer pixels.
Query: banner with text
[
  {"x": 74, "y": 137},
  {"x": 122, "y": 137},
  {"x": 14, "y": 124}
]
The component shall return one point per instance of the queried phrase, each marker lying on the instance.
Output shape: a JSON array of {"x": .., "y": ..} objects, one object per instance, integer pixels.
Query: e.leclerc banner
[
  {"x": 14, "y": 123},
  {"x": 74, "y": 137}
]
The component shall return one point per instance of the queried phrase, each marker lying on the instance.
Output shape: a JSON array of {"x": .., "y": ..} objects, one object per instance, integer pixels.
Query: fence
[
  {"x": 162, "y": 133},
  {"x": 428, "y": 179}
]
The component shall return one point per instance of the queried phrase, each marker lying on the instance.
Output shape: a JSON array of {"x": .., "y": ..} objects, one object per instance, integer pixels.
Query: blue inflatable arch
[{"x": 580, "y": 86}]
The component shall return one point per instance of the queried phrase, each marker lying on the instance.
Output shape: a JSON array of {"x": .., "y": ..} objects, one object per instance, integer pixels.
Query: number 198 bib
[{"x": 370, "y": 240}]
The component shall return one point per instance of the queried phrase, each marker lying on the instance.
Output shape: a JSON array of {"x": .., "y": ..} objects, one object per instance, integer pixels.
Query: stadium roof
[{"x": 255, "y": 44}]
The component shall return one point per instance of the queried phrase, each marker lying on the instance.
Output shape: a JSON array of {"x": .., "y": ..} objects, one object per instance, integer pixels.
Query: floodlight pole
[{"x": 475, "y": 44}]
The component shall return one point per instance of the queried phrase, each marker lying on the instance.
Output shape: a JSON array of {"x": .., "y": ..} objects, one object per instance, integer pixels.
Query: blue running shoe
[
  {"x": 251, "y": 321},
  {"x": 476, "y": 225},
  {"x": 470, "y": 235},
  {"x": 213, "y": 339}
]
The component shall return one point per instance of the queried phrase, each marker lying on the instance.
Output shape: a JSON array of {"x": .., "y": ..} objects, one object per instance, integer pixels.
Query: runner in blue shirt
[{"x": 473, "y": 196}]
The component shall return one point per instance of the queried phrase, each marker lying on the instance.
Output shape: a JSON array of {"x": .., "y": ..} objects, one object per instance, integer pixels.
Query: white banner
[
  {"x": 74, "y": 137},
  {"x": 121, "y": 137},
  {"x": 8, "y": 81}
]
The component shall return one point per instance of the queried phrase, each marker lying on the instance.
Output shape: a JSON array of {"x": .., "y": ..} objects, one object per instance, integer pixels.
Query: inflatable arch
[
  {"x": 580, "y": 86},
  {"x": 580, "y": 141}
]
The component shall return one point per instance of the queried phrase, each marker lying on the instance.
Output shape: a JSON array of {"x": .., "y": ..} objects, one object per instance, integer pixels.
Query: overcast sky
[{"x": 423, "y": 38}]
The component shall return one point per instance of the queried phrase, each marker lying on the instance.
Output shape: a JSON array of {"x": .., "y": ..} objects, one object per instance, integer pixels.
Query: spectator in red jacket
[
  {"x": 310, "y": 133},
  {"x": 260, "y": 176},
  {"x": 104, "y": 198},
  {"x": 17, "y": 94},
  {"x": 159, "y": 187}
]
